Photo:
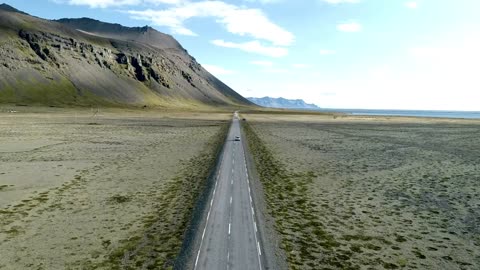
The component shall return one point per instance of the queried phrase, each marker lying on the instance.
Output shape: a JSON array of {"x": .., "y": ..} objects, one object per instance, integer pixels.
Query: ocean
[{"x": 413, "y": 113}]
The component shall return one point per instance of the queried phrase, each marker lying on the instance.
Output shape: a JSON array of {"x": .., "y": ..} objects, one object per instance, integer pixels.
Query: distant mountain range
[
  {"x": 282, "y": 103},
  {"x": 85, "y": 61}
]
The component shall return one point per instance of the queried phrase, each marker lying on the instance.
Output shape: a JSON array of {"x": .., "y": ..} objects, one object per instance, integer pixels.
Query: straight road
[{"x": 230, "y": 236}]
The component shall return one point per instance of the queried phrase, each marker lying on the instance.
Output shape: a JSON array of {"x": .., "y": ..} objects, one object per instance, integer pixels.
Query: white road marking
[
  {"x": 196, "y": 261},
  {"x": 208, "y": 218},
  {"x": 225, "y": 158},
  {"x": 228, "y": 260},
  {"x": 253, "y": 215}
]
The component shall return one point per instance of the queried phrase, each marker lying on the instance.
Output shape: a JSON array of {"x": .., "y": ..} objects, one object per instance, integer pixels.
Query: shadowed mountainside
[{"x": 86, "y": 62}]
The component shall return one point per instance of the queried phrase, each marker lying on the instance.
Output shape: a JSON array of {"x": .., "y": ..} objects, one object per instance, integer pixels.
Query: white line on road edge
[
  {"x": 231, "y": 198},
  {"x": 229, "y": 226},
  {"x": 259, "y": 250},
  {"x": 208, "y": 217},
  {"x": 196, "y": 261},
  {"x": 203, "y": 234}
]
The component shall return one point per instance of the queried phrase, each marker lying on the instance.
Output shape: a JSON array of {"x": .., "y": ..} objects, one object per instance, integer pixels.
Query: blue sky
[{"x": 381, "y": 54}]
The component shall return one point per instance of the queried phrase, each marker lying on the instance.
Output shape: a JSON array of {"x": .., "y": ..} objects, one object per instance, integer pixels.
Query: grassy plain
[
  {"x": 100, "y": 189},
  {"x": 370, "y": 192}
]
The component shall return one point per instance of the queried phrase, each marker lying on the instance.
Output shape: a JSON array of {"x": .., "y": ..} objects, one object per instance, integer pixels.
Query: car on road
[{"x": 237, "y": 138}]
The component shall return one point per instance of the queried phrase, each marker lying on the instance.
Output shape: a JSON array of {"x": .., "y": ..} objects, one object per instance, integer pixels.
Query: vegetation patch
[
  {"x": 393, "y": 194},
  {"x": 120, "y": 199},
  {"x": 296, "y": 219},
  {"x": 157, "y": 245}
]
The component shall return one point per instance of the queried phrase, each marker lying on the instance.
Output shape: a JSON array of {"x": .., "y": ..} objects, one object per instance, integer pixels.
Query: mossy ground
[
  {"x": 381, "y": 193},
  {"x": 302, "y": 233},
  {"x": 116, "y": 194},
  {"x": 157, "y": 246}
]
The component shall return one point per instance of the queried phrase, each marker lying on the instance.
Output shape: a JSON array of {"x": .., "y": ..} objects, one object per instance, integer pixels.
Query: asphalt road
[{"x": 230, "y": 236}]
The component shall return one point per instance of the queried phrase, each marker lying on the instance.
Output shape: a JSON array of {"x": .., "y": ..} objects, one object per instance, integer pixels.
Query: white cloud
[
  {"x": 237, "y": 20},
  {"x": 117, "y": 3},
  {"x": 300, "y": 66},
  {"x": 349, "y": 27},
  {"x": 335, "y": 2},
  {"x": 411, "y": 4},
  {"x": 275, "y": 70},
  {"x": 217, "y": 70},
  {"x": 265, "y": 1},
  {"x": 262, "y": 63},
  {"x": 327, "y": 52},
  {"x": 253, "y": 47},
  {"x": 269, "y": 67},
  {"x": 171, "y": 18},
  {"x": 103, "y": 3}
]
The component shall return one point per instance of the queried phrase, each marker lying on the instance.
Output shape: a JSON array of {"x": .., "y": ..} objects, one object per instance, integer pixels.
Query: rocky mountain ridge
[
  {"x": 282, "y": 103},
  {"x": 84, "y": 62}
]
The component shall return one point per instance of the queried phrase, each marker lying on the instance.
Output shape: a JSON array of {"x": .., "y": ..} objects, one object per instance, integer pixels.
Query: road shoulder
[{"x": 274, "y": 257}]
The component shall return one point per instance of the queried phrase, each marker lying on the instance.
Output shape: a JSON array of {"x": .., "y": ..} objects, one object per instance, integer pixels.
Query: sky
[{"x": 369, "y": 54}]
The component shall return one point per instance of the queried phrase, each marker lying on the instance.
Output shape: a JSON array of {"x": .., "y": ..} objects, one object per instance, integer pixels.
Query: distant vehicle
[{"x": 237, "y": 138}]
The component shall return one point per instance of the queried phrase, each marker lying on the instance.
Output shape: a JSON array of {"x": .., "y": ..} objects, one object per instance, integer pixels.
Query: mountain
[
  {"x": 282, "y": 103},
  {"x": 10, "y": 8},
  {"x": 85, "y": 62}
]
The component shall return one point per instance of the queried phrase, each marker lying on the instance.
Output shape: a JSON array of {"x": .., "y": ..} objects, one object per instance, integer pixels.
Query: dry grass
[
  {"x": 357, "y": 193},
  {"x": 117, "y": 194}
]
